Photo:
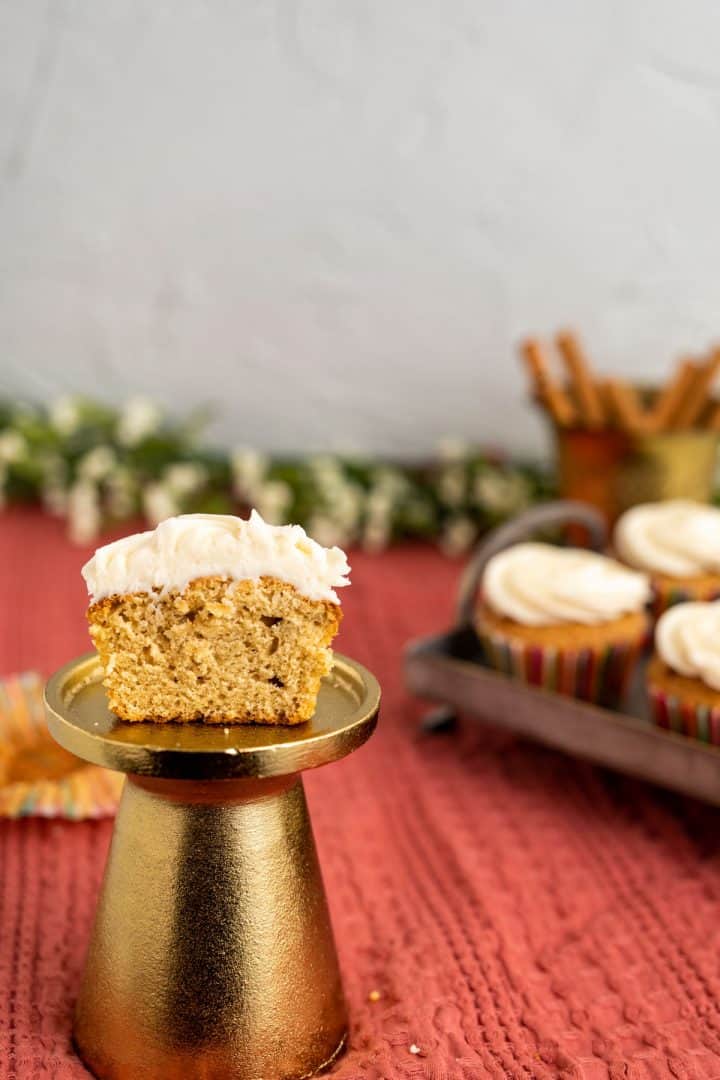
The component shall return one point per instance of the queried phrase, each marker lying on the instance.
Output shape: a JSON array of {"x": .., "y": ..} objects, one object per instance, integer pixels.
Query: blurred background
[{"x": 334, "y": 221}]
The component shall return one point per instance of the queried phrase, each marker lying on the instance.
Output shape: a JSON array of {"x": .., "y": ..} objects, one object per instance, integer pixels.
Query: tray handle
[{"x": 523, "y": 528}]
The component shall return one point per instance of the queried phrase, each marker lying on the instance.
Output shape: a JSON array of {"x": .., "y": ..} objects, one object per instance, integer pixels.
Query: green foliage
[{"x": 95, "y": 465}]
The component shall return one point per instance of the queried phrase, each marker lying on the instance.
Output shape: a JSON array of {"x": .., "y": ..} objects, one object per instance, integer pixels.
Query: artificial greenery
[{"x": 95, "y": 465}]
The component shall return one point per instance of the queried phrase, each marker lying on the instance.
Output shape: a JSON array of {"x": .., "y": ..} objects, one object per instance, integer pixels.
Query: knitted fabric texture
[{"x": 500, "y": 910}]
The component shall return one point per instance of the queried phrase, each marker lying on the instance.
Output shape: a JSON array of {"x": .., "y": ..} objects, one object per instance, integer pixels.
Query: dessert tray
[{"x": 452, "y": 670}]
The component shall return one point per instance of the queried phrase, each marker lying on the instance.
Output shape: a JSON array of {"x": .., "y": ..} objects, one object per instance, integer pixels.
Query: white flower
[
  {"x": 158, "y": 503},
  {"x": 121, "y": 488},
  {"x": 83, "y": 509},
  {"x": 97, "y": 463},
  {"x": 325, "y": 469},
  {"x": 65, "y": 414},
  {"x": 139, "y": 418},
  {"x": 248, "y": 470},
  {"x": 55, "y": 499},
  {"x": 452, "y": 485},
  {"x": 185, "y": 478},
  {"x": 13, "y": 446},
  {"x": 390, "y": 481},
  {"x": 378, "y": 505},
  {"x": 346, "y": 505},
  {"x": 54, "y": 480},
  {"x": 501, "y": 492},
  {"x": 272, "y": 501},
  {"x": 459, "y": 536},
  {"x": 452, "y": 450},
  {"x": 326, "y": 531},
  {"x": 376, "y": 536}
]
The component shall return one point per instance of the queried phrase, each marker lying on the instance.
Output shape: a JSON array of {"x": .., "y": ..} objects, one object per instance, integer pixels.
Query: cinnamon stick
[
  {"x": 696, "y": 396},
  {"x": 587, "y": 393},
  {"x": 551, "y": 393},
  {"x": 671, "y": 397},
  {"x": 625, "y": 404}
]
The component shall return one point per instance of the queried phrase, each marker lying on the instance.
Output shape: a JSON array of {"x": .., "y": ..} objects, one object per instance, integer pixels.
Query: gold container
[
  {"x": 613, "y": 470},
  {"x": 212, "y": 955}
]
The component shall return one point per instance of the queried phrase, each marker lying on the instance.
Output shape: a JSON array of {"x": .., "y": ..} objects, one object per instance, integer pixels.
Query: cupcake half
[
  {"x": 678, "y": 544},
  {"x": 565, "y": 619},
  {"x": 684, "y": 674}
]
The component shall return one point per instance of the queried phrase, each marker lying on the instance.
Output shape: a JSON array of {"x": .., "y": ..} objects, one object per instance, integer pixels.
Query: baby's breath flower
[
  {"x": 121, "y": 492},
  {"x": 458, "y": 536},
  {"x": 272, "y": 501},
  {"x": 376, "y": 536},
  {"x": 158, "y": 503},
  {"x": 83, "y": 509},
  {"x": 53, "y": 489},
  {"x": 185, "y": 477},
  {"x": 139, "y": 418},
  {"x": 326, "y": 531},
  {"x": 378, "y": 505},
  {"x": 347, "y": 506},
  {"x": 325, "y": 467},
  {"x": 452, "y": 485},
  {"x": 13, "y": 446},
  {"x": 97, "y": 463},
  {"x": 452, "y": 450},
  {"x": 390, "y": 480},
  {"x": 248, "y": 470},
  {"x": 55, "y": 499},
  {"x": 501, "y": 492},
  {"x": 65, "y": 414}
]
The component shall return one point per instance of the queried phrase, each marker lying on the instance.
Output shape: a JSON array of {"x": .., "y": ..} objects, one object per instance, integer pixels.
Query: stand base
[{"x": 212, "y": 956}]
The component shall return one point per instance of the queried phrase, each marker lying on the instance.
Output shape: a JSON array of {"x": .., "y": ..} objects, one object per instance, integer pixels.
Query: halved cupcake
[
  {"x": 678, "y": 544},
  {"x": 215, "y": 618},
  {"x": 566, "y": 619},
  {"x": 683, "y": 676}
]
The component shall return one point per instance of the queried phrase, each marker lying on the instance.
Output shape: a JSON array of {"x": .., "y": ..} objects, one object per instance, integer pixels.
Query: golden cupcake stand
[{"x": 212, "y": 954}]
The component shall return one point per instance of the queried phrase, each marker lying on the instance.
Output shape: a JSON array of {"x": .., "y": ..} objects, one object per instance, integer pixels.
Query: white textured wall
[{"x": 335, "y": 217}]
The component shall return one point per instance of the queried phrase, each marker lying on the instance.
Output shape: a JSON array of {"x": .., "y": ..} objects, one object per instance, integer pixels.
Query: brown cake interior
[{"x": 218, "y": 651}]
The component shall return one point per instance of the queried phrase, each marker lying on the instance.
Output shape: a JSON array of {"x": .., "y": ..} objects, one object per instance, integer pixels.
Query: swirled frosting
[
  {"x": 687, "y": 637},
  {"x": 541, "y": 585},
  {"x": 680, "y": 538},
  {"x": 191, "y": 546}
]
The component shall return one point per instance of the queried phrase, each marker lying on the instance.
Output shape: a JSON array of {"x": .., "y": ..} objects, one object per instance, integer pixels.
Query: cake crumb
[
  {"x": 414, "y": 1049},
  {"x": 374, "y": 995}
]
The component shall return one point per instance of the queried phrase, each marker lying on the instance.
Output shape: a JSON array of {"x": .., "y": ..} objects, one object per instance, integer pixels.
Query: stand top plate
[{"x": 79, "y": 719}]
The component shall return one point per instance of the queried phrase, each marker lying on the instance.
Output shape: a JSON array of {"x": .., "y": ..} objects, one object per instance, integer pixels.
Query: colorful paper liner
[
  {"x": 697, "y": 721},
  {"x": 664, "y": 598},
  {"x": 590, "y": 674},
  {"x": 82, "y": 791}
]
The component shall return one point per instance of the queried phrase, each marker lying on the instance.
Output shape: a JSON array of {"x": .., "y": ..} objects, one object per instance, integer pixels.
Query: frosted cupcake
[
  {"x": 684, "y": 674},
  {"x": 215, "y": 618},
  {"x": 565, "y": 619},
  {"x": 678, "y": 544}
]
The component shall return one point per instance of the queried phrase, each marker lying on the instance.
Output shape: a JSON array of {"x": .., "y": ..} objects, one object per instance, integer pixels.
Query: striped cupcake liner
[
  {"x": 673, "y": 714},
  {"x": 596, "y": 675},
  {"x": 667, "y": 598},
  {"x": 37, "y": 777}
]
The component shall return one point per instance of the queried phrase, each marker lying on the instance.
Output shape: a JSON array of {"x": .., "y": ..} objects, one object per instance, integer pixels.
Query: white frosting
[
  {"x": 680, "y": 538},
  {"x": 541, "y": 585},
  {"x": 191, "y": 546},
  {"x": 687, "y": 638}
]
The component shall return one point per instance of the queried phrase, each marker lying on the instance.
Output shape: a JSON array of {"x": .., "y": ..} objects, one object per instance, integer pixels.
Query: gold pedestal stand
[{"x": 212, "y": 955}]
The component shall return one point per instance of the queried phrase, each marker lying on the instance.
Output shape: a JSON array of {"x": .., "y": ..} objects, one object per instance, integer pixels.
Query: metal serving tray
[{"x": 451, "y": 669}]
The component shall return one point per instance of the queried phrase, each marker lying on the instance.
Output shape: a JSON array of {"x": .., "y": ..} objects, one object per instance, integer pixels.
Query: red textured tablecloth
[{"x": 521, "y": 915}]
